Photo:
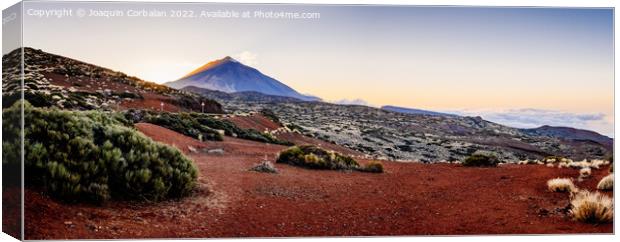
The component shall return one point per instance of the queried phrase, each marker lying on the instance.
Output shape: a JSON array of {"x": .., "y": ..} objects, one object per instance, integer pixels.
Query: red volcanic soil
[
  {"x": 256, "y": 121},
  {"x": 408, "y": 199}
]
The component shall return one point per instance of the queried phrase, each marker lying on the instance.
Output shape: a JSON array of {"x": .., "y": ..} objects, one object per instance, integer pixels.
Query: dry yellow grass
[
  {"x": 561, "y": 185},
  {"x": 592, "y": 207},
  {"x": 607, "y": 183},
  {"x": 585, "y": 172}
]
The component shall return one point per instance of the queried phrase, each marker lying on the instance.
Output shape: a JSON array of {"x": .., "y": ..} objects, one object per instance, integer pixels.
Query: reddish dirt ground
[
  {"x": 257, "y": 122},
  {"x": 408, "y": 199}
]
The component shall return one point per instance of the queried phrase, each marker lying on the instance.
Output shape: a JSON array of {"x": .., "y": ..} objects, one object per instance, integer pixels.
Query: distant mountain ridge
[
  {"x": 231, "y": 76},
  {"x": 247, "y": 96},
  {"x": 413, "y": 111},
  {"x": 571, "y": 134}
]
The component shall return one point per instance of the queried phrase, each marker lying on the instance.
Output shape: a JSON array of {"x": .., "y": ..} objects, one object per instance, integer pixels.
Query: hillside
[
  {"x": 230, "y": 76},
  {"x": 246, "y": 96},
  {"x": 383, "y": 134},
  {"x": 53, "y": 80},
  {"x": 571, "y": 134}
]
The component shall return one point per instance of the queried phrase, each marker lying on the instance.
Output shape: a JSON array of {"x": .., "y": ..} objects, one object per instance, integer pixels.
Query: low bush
[
  {"x": 592, "y": 207},
  {"x": 607, "y": 183},
  {"x": 268, "y": 113},
  {"x": 231, "y": 129},
  {"x": 561, "y": 185},
  {"x": 184, "y": 124},
  {"x": 313, "y": 157},
  {"x": 202, "y": 126},
  {"x": 481, "y": 160},
  {"x": 92, "y": 156},
  {"x": 374, "y": 167},
  {"x": 585, "y": 172}
]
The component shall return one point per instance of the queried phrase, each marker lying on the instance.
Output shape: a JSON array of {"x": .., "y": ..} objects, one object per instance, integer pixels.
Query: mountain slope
[
  {"x": 571, "y": 134},
  {"x": 384, "y": 134},
  {"x": 229, "y": 75},
  {"x": 247, "y": 96},
  {"x": 54, "y": 80},
  {"x": 413, "y": 111}
]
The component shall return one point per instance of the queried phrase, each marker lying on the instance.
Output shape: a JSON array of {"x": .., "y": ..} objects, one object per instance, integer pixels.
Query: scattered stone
[
  {"x": 265, "y": 167},
  {"x": 543, "y": 212},
  {"x": 192, "y": 149},
  {"x": 215, "y": 151}
]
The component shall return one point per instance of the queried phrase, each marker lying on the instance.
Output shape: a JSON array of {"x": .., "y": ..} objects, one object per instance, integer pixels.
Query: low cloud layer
[
  {"x": 357, "y": 101},
  {"x": 532, "y": 118}
]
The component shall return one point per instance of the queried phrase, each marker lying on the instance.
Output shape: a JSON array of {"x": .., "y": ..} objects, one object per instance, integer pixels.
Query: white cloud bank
[
  {"x": 247, "y": 58},
  {"x": 532, "y": 118},
  {"x": 357, "y": 101}
]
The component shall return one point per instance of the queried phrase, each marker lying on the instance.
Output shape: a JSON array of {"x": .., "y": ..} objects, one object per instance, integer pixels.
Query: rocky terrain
[{"x": 388, "y": 135}]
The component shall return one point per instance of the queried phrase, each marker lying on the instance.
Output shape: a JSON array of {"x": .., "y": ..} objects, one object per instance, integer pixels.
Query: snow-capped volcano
[{"x": 229, "y": 75}]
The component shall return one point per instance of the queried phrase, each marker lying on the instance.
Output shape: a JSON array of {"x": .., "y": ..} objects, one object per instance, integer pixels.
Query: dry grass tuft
[
  {"x": 585, "y": 172},
  {"x": 561, "y": 185},
  {"x": 592, "y": 207},
  {"x": 607, "y": 183}
]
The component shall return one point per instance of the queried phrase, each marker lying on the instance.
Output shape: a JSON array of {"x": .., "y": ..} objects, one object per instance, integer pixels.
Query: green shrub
[
  {"x": 92, "y": 156},
  {"x": 200, "y": 126},
  {"x": 294, "y": 127},
  {"x": 374, "y": 167},
  {"x": 268, "y": 113},
  {"x": 481, "y": 160},
  {"x": 184, "y": 124},
  {"x": 231, "y": 129},
  {"x": 11, "y": 148},
  {"x": 316, "y": 158}
]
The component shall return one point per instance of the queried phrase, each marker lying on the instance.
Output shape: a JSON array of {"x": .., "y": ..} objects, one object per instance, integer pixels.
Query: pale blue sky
[{"x": 438, "y": 58}]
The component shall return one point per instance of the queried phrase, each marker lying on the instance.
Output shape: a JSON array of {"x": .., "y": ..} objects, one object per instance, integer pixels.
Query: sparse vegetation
[
  {"x": 268, "y": 113},
  {"x": 92, "y": 156},
  {"x": 607, "y": 183},
  {"x": 585, "y": 172},
  {"x": 561, "y": 185},
  {"x": 316, "y": 158},
  {"x": 592, "y": 207},
  {"x": 232, "y": 129},
  {"x": 481, "y": 160},
  {"x": 201, "y": 126},
  {"x": 374, "y": 167},
  {"x": 184, "y": 124}
]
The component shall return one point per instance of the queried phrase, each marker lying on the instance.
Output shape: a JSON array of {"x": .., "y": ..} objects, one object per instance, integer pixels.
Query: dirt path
[{"x": 409, "y": 199}]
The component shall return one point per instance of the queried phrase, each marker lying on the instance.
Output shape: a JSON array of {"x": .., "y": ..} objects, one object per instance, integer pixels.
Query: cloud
[
  {"x": 247, "y": 58},
  {"x": 356, "y": 101},
  {"x": 532, "y": 118}
]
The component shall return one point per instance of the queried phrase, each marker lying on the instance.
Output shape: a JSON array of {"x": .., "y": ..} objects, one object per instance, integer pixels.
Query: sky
[{"x": 522, "y": 67}]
